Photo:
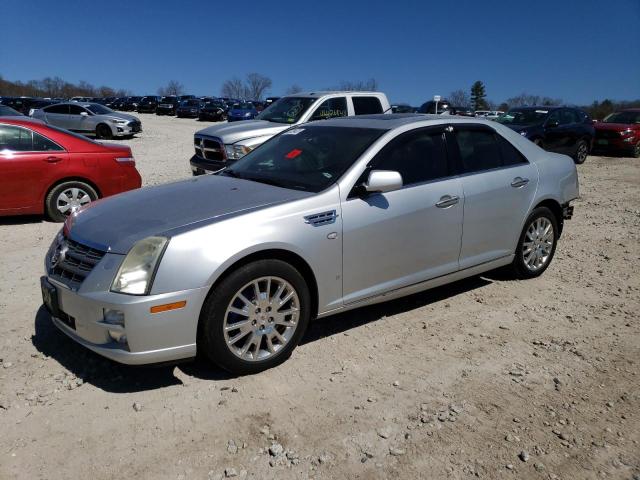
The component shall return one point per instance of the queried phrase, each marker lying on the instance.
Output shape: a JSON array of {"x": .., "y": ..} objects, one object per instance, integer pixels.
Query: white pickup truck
[{"x": 220, "y": 145}]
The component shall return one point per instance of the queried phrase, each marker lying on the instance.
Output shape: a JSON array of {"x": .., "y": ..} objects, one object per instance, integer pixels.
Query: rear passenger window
[
  {"x": 418, "y": 156},
  {"x": 15, "y": 139},
  {"x": 76, "y": 109},
  {"x": 62, "y": 109},
  {"x": 366, "y": 105},
  {"x": 479, "y": 150},
  {"x": 510, "y": 154},
  {"x": 43, "y": 144},
  {"x": 333, "y": 107}
]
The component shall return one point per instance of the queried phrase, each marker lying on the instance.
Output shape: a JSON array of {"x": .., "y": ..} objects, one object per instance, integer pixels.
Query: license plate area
[
  {"x": 52, "y": 304},
  {"x": 603, "y": 142}
]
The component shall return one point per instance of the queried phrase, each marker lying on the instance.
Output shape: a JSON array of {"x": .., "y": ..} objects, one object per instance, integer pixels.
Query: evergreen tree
[{"x": 478, "y": 95}]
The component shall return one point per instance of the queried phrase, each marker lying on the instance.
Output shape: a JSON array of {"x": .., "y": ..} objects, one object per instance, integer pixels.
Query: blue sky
[{"x": 578, "y": 50}]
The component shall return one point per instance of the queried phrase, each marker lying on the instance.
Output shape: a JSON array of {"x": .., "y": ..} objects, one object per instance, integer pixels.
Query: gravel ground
[{"x": 487, "y": 377}]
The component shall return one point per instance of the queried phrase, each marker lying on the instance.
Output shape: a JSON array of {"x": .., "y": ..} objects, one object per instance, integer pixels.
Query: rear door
[
  {"x": 29, "y": 163},
  {"x": 498, "y": 185},
  {"x": 57, "y": 115},
  {"x": 409, "y": 235}
]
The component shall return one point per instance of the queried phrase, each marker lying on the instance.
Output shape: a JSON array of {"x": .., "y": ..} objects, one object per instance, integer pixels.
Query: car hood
[
  {"x": 115, "y": 224},
  {"x": 234, "y": 132},
  {"x": 120, "y": 116}
]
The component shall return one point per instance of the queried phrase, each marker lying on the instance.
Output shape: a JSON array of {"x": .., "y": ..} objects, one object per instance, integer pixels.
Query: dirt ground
[{"x": 487, "y": 377}]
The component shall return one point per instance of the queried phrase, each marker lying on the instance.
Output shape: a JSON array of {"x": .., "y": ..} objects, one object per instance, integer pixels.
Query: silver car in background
[
  {"x": 89, "y": 118},
  {"x": 325, "y": 217}
]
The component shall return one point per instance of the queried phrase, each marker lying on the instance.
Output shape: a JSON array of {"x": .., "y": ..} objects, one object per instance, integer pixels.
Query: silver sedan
[{"x": 323, "y": 218}]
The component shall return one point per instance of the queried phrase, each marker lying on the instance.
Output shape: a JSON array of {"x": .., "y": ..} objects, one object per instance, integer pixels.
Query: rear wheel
[
  {"x": 537, "y": 244},
  {"x": 255, "y": 317},
  {"x": 66, "y": 198},
  {"x": 636, "y": 151},
  {"x": 582, "y": 150},
  {"x": 104, "y": 131}
]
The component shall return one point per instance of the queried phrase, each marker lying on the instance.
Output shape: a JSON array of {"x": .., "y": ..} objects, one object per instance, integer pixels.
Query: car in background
[
  {"x": 6, "y": 111},
  {"x": 238, "y": 272},
  {"x": 443, "y": 106},
  {"x": 566, "y": 130},
  {"x": 242, "y": 111},
  {"x": 131, "y": 104},
  {"x": 33, "y": 106},
  {"x": 269, "y": 100},
  {"x": 218, "y": 146},
  {"x": 21, "y": 104},
  {"x": 148, "y": 104},
  {"x": 403, "y": 108},
  {"x": 80, "y": 99},
  {"x": 167, "y": 105},
  {"x": 464, "y": 111},
  {"x": 189, "y": 108},
  {"x": 118, "y": 103},
  {"x": 619, "y": 132},
  {"x": 213, "y": 110},
  {"x": 89, "y": 118},
  {"x": 48, "y": 170}
]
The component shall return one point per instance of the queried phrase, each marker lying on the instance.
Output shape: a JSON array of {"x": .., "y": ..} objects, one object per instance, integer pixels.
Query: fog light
[
  {"x": 119, "y": 337},
  {"x": 114, "y": 317}
]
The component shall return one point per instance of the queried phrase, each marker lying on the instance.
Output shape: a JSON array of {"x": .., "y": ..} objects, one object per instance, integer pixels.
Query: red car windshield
[{"x": 623, "y": 117}]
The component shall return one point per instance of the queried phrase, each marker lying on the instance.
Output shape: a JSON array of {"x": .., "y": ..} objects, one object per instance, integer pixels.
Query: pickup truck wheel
[
  {"x": 104, "y": 131},
  {"x": 64, "y": 199},
  {"x": 255, "y": 317},
  {"x": 582, "y": 150},
  {"x": 537, "y": 244}
]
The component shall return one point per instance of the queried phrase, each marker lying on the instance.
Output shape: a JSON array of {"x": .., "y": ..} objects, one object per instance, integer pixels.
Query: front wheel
[
  {"x": 104, "y": 131},
  {"x": 636, "y": 151},
  {"x": 582, "y": 150},
  {"x": 255, "y": 317},
  {"x": 537, "y": 244}
]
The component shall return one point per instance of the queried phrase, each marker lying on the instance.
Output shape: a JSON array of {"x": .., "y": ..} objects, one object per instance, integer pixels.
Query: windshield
[
  {"x": 308, "y": 158},
  {"x": 525, "y": 116},
  {"x": 168, "y": 100},
  {"x": 286, "y": 110},
  {"x": 215, "y": 104},
  {"x": 242, "y": 106},
  {"x": 191, "y": 103},
  {"x": 98, "y": 109},
  {"x": 623, "y": 117}
]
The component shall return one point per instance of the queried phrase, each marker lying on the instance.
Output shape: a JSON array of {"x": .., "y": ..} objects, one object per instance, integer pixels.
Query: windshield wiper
[
  {"x": 231, "y": 173},
  {"x": 276, "y": 183}
]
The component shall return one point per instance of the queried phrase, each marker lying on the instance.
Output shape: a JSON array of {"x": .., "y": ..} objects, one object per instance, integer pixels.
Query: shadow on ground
[
  {"x": 22, "y": 219},
  {"x": 113, "y": 377}
]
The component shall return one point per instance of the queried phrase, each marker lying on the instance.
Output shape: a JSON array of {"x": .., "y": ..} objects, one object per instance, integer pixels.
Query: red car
[
  {"x": 48, "y": 170},
  {"x": 619, "y": 132}
]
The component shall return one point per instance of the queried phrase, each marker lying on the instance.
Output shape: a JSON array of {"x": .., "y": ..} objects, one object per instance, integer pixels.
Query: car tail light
[{"x": 126, "y": 160}]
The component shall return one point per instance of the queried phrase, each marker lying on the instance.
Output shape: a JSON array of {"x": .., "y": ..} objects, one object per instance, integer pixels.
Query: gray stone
[
  {"x": 230, "y": 472},
  {"x": 276, "y": 449},
  {"x": 396, "y": 452},
  {"x": 524, "y": 456},
  {"x": 137, "y": 406}
]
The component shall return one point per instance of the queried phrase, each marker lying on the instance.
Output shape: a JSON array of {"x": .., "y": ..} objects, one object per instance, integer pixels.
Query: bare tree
[
  {"x": 370, "y": 85},
  {"x": 460, "y": 98},
  {"x": 257, "y": 85},
  {"x": 173, "y": 88},
  {"x": 295, "y": 88},
  {"x": 233, "y": 88},
  {"x": 527, "y": 99}
]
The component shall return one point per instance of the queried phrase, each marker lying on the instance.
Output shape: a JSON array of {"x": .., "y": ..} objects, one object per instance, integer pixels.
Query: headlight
[
  {"x": 234, "y": 152},
  {"x": 136, "y": 273},
  {"x": 120, "y": 122},
  {"x": 626, "y": 132}
]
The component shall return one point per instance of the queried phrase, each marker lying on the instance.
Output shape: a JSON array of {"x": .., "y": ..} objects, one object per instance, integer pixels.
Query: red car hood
[{"x": 617, "y": 127}]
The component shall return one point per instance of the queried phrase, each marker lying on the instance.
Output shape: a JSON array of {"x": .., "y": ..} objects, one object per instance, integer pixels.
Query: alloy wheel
[
  {"x": 71, "y": 200},
  {"x": 582, "y": 152},
  {"x": 538, "y": 244},
  {"x": 261, "y": 318}
]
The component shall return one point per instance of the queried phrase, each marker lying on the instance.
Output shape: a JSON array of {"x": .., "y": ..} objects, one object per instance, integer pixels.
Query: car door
[
  {"x": 555, "y": 132},
  {"x": 330, "y": 108},
  {"x": 409, "y": 235},
  {"x": 57, "y": 115},
  {"x": 80, "y": 119},
  {"x": 498, "y": 184},
  {"x": 28, "y": 163}
]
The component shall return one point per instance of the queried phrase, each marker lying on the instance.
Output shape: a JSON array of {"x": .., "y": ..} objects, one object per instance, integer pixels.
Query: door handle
[
  {"x": 52, "y": 159},
  {"x": 519, "y": 182},
  {"x": 447, "y": 201}
]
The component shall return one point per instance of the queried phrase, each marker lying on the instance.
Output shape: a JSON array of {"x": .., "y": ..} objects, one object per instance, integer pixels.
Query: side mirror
[
  {"x": 382, "y": 181},
  {"x": 84, "y": 114},
  {"x": 552, "y": 124}
]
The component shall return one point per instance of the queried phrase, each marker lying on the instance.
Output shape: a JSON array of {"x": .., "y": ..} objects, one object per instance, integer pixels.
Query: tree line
[{"x": 255, "y": 85}]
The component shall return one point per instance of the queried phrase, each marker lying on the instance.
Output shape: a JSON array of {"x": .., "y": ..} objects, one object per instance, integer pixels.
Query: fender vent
[{"x": 319, "y": 219}]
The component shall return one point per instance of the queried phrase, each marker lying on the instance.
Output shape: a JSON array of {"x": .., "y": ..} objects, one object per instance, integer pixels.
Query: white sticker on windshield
[
  {"x": 542, "y": 111},
  {"x": 294, "y": 131}
]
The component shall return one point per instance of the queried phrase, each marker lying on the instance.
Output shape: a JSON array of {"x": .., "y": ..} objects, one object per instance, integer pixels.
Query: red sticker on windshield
[{"x": 293, "y": 154}]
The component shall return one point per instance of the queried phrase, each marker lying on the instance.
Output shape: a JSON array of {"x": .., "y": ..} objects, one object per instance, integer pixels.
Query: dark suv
[
  {"x": 148, "y": 104},
  {"x": 564, "y": 130},
  {"x": 168, "y": 105}
]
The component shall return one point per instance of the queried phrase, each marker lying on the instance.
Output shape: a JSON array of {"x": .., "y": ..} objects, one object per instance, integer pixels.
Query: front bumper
[
  {"x": 200, "y": 166},
  {"x": 150, "y": 338},
  {"x": 126, "y": 130},
  {"x": 165, "y": 111}
]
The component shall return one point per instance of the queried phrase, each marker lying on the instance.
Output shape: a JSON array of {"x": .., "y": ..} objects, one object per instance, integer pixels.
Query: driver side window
[
  {"x": 76, "y": 109},
  {"x": 333, "y": 107}
]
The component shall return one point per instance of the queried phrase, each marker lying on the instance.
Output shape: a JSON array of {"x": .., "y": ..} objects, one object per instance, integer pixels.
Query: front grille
[
  {"x": 135, "y": 126},
  {"x": 71, "y": 262},
  {"x": 610, "y": 134},
  {"x": 209, "y": 148}
]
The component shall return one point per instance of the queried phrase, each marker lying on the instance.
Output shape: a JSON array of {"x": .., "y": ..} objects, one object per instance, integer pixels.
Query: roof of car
[
  {"x": 321, "y": 93},
  {"x": 394, "y": 120},
  {"x": 20, "y": 120}
]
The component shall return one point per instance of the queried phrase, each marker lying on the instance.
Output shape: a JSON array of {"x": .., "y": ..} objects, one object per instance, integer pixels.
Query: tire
[
  {"x": 582, "y": 150},
  {"x": 524, "y": 266},
  {"x": 258, "y": 334},
  {"x": 635, "y": 153},
  {"x": 55, "y": 203},
  {"x": 104, "y": 131}
]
